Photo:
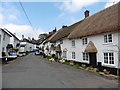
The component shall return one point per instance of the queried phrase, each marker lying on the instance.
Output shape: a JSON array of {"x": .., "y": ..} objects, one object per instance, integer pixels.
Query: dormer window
[
  {"x": 84, "y": 41},
  {"x": 108, "y": 38}
]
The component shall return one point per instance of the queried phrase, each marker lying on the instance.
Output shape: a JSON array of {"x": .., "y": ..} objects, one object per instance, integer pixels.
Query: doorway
[{"x": 93, "y": 59}]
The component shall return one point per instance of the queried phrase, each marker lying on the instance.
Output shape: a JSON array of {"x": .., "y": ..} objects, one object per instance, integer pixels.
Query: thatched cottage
[{"x": 95, "y": 40}]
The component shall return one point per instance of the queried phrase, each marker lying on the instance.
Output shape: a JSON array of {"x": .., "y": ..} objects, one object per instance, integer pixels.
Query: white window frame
[
  {"x": 65, "y": 54},
  {"x": 73, "y": 55},
  {"x": 85, "y": 56},
  {"x": 109, "y": 58},
  {"x": 108, "y": 38},
  {"x": 84, "y": 41},
  {"x": 73, "y": 43}
]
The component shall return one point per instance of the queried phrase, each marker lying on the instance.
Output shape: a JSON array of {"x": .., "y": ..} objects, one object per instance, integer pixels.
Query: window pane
[
  {"x": 105, "y": 38},
  {"x": 85, "y": 40},
  {"x": 85, "y": 56},
  {"x": 111, "y": 58},
  {"x": 73, "y": 43},
  {"x": 110, "y": 37},
  {"x": 105, "y": 57},
  {"x": 73, "y": 55}
]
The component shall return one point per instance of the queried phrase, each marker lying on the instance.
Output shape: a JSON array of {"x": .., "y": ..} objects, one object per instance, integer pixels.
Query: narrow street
[{"x": 36, "y": 72}]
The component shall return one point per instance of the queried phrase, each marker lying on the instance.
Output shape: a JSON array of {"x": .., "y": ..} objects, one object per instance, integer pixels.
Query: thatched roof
[
  {"x": 101, "y": 22},
  {"x": 90, "y": 48},
  {"x": 64, "y": 32},
  {"x": 49, "y": 37}
]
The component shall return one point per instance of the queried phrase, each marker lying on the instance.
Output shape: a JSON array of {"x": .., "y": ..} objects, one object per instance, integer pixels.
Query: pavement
[{"x": 36, "y": 72}]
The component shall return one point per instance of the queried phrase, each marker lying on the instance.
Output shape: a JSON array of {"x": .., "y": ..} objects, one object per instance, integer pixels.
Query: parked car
[
  {"x": 12, "y": 54},
  {"x": 37, "y": 52}
]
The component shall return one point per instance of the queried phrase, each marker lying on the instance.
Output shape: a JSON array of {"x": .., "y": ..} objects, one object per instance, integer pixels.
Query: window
[
  {"x": 105, "y": 57},
  {"x": 4, "y": 36},
  {"x": 61, "y": 41},
  {"x": 108, "y": 38},
  {"x": 109, "y": 58},
  {"x": 85, "y": 56},
  {"x": 64, "y": 54},
  {"x": 73, "y": 55},
  {"x": 73, "y": 43},
  {"x": 84, "y": 41}
]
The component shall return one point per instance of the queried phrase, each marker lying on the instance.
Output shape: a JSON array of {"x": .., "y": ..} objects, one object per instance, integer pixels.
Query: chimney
[
  {"x": 50, "y": 32},
  {"x": 15, "y": 34},
  {"x": 86, "y": 13},
  {"x": 54, "y": 30},
  {"x": 22, "y": 37},
  {"x": 64, "y": 26}
]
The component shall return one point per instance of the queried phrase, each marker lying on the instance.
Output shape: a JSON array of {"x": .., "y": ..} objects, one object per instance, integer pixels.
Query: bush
[
  {"x": 67, "y": 62},
  {"x": 77, "y": 65}
]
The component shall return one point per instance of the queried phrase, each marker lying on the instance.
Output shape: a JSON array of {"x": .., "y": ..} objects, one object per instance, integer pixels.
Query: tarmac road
[{"x": 36, "y": 72}]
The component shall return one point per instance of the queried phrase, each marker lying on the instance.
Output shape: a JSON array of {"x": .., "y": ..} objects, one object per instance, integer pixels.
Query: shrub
[
  {"x": 77, "y": 65},
  {"x": 71, "y": 63},
  {"x": 66, "y": 62}
]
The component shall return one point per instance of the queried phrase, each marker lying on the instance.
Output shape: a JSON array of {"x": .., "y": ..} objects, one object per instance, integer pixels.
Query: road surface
[{"x": 36, "y": 72}]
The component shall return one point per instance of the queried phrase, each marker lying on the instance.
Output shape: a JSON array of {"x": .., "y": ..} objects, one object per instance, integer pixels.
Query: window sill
[
  {"x": 109, "y": 65},
  {"x": 108, "y": 43}
]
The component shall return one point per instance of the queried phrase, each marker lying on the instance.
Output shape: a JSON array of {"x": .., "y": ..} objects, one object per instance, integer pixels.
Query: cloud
[
  {"x": 111, "y": 2},
  {"x": 76, "y": 5},
  {"x": 9, "y": 13},
  {"x": 25, "y": 30},
  {"x": 12, "y": 19}
]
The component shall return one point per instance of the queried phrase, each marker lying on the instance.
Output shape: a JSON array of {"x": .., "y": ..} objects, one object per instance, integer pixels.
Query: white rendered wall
[{"x": 98, "y": 41}]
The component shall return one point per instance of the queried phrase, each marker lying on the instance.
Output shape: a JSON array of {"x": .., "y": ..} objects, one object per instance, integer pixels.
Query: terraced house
[{"x": 95, "y": 40}]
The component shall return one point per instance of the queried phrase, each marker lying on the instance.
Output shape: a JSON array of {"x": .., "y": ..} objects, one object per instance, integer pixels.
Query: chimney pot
[{"x": 86, "y": 13}]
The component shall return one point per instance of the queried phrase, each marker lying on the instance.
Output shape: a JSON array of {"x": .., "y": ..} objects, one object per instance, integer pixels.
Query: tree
[{"x": 42, "y": 37}]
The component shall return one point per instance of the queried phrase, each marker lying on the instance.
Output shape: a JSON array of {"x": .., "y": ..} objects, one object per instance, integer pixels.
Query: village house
[
  {"x": 26, "y": 46},
  {"x": 95, "y": 40},
  {"x": 14, "y": 41},
  {"x": 4, "y": 41},
  {"x": 61, "y": 42},
  {"x": 47, "y": 45}
]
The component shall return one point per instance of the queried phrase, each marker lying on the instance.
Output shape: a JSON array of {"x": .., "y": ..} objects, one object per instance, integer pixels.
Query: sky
[{"x": 45, "y": 15}]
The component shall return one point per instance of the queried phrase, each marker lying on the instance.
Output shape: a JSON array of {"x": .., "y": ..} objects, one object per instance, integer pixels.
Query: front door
[{"x": 93, "y": 59}]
